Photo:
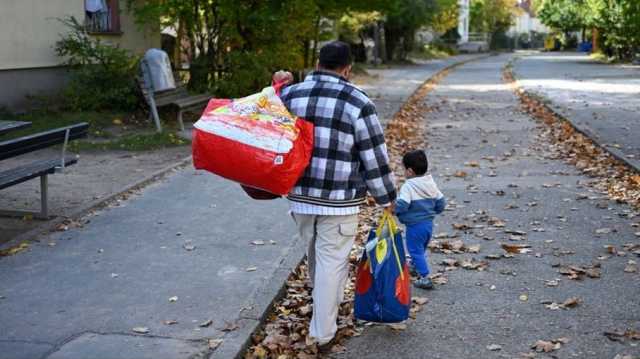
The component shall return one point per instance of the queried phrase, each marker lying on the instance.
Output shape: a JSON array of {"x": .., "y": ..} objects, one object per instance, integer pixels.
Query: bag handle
[
  {"x": 278, "y": 86},
  {"x": 393, "y": 229}
]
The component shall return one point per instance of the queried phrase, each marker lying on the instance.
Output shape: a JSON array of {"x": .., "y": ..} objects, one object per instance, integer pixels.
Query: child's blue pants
[{"x": 418, "y": 237}]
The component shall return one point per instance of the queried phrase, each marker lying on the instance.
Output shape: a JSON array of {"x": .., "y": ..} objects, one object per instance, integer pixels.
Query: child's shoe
[
  {"x": 413, "y": 272},
  {"x": 423, "y": 283}
]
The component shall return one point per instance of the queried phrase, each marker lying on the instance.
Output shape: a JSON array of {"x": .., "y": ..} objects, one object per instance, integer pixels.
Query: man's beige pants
[{"x": 330, "y": 240}]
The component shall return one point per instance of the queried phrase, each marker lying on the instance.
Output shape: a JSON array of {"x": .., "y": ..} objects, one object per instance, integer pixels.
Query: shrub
[{"x": 102, "y": 76}]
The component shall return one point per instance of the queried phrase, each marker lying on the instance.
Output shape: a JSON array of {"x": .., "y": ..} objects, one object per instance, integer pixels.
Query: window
[{"x": 102, "y": 16}]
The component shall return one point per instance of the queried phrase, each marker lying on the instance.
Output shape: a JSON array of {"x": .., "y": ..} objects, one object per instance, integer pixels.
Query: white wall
[
  {"x": 29, "y": 31},
  {"x": 525, "y": 23}
]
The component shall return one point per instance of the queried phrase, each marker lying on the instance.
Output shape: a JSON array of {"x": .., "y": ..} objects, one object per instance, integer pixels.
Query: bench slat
[
  {"x": 193, "y": 100},
  {"x": 32, "y": 170},
  {"x": 38, "y": 141}
]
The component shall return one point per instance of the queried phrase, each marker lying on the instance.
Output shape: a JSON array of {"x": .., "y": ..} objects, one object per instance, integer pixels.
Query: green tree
[
  {"x": 446, "y": 18},
  {"x": 619, "y": 23},
  {"x": 103, "y": 77},
  {"x": 235, "y": 45},
  {"x": 563, "y": 15},
  {"x": 492, "y": 17},
  {"x": 403, "y": 19}
]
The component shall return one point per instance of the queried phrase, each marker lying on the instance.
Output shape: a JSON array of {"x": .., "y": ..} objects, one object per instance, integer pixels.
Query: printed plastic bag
[
  {"x": 254, "y": 141},
  {"x": 383, "y": 291}
]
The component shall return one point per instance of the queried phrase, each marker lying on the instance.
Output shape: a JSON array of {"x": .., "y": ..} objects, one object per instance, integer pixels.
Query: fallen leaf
[
  {"x": 631, "y": 267},
  {"x": 473, "y": 248},
  {"x": 551, "y": 283},
  {"x": 215, "y": 343},
  {"x": 553, "y": 306},
  {"x": 229, "y": 326},
  {"x": 439, "y": 279},
  {"x": 14, "y": 250},
  {"x": 571, "y": 302},
  {"x": 188, "y": 247},
  {"x": 516, "y": 248},
  {"x": 206, "y": 323},
  {"x": 545, "y": 346},
  {"x": 398, "y": 326},
  {"x": 140, "y": 330},
  {"x": 419, "y": 300}
]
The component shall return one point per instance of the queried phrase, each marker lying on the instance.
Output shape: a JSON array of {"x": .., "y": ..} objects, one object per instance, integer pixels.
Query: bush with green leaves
[{"x": 102, "y": 76}]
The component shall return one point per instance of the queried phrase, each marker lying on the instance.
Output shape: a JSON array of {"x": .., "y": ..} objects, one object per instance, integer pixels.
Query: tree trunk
[{"x": 316, "y": 39}]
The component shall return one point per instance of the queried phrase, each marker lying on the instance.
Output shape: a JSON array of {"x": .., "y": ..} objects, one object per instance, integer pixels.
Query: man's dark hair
[
  {"x": 417, "y": 161},
  {"x": 335, "y": 55}
]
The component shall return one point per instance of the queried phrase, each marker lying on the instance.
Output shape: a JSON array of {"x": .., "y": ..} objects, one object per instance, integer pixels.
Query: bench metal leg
[
  {"x": 180, "y": 120},
  {"x": 44, "y": 196},
  {"x": 154, "y": 112},
  {"x": 44, "y": 204}
]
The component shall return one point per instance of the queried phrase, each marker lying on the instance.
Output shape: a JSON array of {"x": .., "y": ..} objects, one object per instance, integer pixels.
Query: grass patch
[
  {"x": 43, "y": 121},
  {"x": 107, "y": 130},
  {"x": 433, "y": 51},
  {"x": 133, "y": 142},
  {"x": 602, "y": 58}
]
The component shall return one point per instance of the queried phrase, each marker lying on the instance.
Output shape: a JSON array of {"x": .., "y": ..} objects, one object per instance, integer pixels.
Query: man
[{"x": 349, "y": 158}]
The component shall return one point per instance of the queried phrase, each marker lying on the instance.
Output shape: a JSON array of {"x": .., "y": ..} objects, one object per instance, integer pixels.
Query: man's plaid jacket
[{"x": 349, "y": 155}]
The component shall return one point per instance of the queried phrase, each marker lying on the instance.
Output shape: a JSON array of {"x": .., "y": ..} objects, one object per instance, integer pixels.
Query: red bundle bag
[{"x": 254, "y": 141}]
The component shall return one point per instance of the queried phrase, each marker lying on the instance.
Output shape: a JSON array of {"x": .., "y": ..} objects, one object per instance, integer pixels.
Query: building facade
[{"x": 29, "y": 30}]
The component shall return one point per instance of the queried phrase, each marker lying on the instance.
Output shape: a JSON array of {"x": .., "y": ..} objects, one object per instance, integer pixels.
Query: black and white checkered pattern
[{"x": 349, "y": 155}]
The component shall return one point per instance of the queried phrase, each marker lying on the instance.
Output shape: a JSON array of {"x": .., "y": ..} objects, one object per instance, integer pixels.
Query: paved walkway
[
  {"x": 476, "y": 118},
  {"x": 169, "y": 259},
  {"x": 393, "y": 86},
  {"x": 602, "y": 100}
]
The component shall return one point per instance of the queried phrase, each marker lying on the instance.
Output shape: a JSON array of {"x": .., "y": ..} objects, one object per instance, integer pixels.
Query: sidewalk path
[
  {"x": 78, "y": 294},
  {"x": 392, "y": 86},
  {"x": 601, "y": 100},
  {"x": 475, "y": 119}
]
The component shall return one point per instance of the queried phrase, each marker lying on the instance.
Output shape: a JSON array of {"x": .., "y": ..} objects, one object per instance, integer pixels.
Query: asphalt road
[
  {"x": 475, "y": 119},
  {"x": 602, "y": 100}
]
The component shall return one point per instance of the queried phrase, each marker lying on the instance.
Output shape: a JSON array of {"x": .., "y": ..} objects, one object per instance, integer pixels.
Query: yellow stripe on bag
[
  {"x": 388, "y": 219},
  {"x": 381, "y": 250}
]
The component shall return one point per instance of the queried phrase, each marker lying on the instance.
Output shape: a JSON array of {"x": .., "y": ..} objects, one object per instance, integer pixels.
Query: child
[{"x": 418, "y": 203}]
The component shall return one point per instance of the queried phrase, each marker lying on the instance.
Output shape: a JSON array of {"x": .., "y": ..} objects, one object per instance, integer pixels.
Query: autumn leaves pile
[{"x": 610, "y": 176}]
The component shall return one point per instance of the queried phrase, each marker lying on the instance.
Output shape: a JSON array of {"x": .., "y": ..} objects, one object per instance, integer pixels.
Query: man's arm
[{"x": 369, "y": 141}]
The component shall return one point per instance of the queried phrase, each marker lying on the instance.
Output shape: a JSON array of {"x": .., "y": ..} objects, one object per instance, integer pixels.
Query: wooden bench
[
  {"x": 39, "y": 168},
  {"x": 179, "y": 98}
]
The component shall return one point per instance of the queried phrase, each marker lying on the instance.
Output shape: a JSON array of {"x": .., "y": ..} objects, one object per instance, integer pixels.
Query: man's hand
[
  {"x": 390, "y": 208},
  {"x": 282, "y": 76}
]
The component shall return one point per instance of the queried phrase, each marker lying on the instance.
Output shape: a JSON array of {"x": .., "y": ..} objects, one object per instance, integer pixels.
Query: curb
[
  {"x": 288, "y": 263},
  {"x": 555, "y": 109},
  {"x": 76, "y": 214}
]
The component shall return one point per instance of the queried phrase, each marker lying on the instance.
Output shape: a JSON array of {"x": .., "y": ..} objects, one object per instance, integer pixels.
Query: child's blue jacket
[{"x": 419, "y": 200}]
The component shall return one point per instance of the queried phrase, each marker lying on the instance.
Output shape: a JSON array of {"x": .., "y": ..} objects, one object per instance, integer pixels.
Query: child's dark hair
[{"x": 417, "y": 161}]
